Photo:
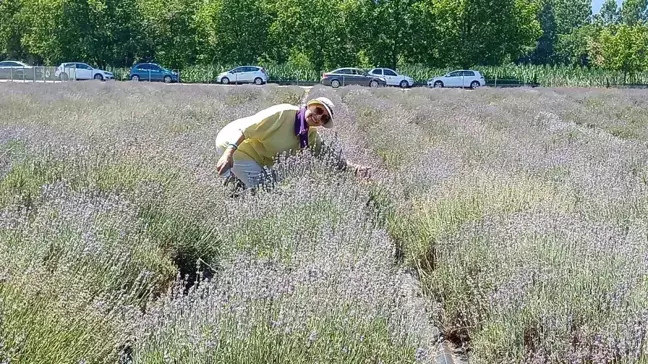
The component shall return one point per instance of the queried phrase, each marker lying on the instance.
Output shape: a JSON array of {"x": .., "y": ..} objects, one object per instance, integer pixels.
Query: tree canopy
[{"x": 322, "y": 34}]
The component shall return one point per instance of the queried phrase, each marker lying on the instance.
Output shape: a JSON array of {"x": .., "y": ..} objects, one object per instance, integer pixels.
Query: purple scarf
[{"x": 301, "y": 127}]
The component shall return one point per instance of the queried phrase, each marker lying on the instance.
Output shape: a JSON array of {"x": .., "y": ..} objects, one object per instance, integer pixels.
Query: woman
[{"x": 249, "y": 144}]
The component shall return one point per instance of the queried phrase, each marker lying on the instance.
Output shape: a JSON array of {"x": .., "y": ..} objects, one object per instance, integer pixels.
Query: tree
[
  {"x": 575, "y": 48},
  {"x": 171, "y": 32},
  {"x": 40, "y": 23},
  {"x": 236, "y": 30},
  {"x": 486, "y": 32},
  {"x": 634, "y": 11},
  {"x": 545, "y": 49},
  {"x": 389, "y": 26},
  {"x": 120, "y": 34},
  {"x": 424, "y": 45},
  {"x": 10, "y": 30},
  {"x": 609, "y": 13},
  {"x": 572, "y": 19},
  {"x": 571, "y": 14},
  {"x": 321, "y": 30},
  {"x": 101, "y": 32},
  {"x": 622, "y": 48}
]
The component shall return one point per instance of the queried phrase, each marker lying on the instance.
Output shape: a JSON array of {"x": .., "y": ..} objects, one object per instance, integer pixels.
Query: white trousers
[{"x": 248, "y": 171}]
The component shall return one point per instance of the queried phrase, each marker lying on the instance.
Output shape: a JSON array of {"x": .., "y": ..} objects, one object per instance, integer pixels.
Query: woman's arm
[
  {"x": 322, "y": 150},
  {"x": 236, "y": 140},
  {"x": 226, "y": 161}
]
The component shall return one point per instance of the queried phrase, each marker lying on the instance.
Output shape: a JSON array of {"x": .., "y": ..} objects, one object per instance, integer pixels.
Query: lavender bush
[
  {"x": 522, "y": 214},
  {"x": 111, "y": 210},
  {"x": 524, "y": 211},
  {"x": 319, "y": 290}
]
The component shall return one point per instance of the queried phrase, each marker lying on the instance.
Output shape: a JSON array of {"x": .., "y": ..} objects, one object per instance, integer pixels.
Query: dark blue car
[{"x": 152, "y": 72}]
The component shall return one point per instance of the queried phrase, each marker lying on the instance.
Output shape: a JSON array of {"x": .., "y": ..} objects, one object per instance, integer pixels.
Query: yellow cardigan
[{"x": 267, "y": 133}]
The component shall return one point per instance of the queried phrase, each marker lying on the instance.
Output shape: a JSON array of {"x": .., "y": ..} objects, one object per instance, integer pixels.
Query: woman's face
[{"x": 316, "y": 115}]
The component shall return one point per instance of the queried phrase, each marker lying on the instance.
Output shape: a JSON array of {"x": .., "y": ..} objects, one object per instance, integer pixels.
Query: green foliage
[
  {"x": 321, "y": 30},
  {"x": 222, "y": 20},
  {"x": 545, "y": 49},
  {"x": 9, "y": 29},
  {"x": 571, "y": 14},
  {"x": 623, "y": 48},
  {"x": 609, "y": 13},
  {"x": 634, "y": 12},
  {"x": 171, "y": 33},
  {"x": 301, "y": 39},
  {"x": 483, "y": 31},
  {"x": 561, "y": 40}
]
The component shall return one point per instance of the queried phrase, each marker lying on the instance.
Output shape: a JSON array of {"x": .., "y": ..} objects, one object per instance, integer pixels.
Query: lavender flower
[{"x": 515, "y": 218}]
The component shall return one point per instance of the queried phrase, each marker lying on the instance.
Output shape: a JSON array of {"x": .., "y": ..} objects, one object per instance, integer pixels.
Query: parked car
[
  {"x": 152, "y": 72},
  {"x": 243, "y": 74},
  {"x": 393, "y": 78},
  {"x": 351, "y": 76},
  {"x": 459, "y": 78},
  {"x": 16, "y": 70},
  {"x": 81, "y": 71}
]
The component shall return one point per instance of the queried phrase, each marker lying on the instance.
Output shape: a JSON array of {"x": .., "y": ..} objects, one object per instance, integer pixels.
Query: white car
[
  {"x": 393, "y": 78},
  {"x": 459, "y": 78},
  {"x": 81, "y": 71},
  {"x": 16, "y": 70},
  {"x": 244, "y": 74}
]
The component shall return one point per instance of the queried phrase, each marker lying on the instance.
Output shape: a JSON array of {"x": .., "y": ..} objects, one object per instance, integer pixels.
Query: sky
[{"x": 596, "y": 5}]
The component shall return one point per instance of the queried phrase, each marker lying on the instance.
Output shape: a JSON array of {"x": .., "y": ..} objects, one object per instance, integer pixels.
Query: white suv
[
  {"x": 393, "y": 78},
  {"x": 81, "y": 71},
  {"x": 459, "y": 78},
  {"x": 244, "y": 74}
]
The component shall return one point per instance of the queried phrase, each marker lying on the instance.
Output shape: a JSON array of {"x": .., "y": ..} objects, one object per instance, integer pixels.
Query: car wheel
[
  {"x": 167, "y": 79},
  {"x": 224, "y": 80},
  {"x": 438, "y": 84},
  {"x": 258, "y": 81},
  {"x": 98, "y": 77},
  {"x": 404, "y": 84},
  {"x": 135, "y": 78},
  {"x": 474, "y": 84},
  {"x": 63, "y": 76},
  {"x": 373, "y": 83},
  {"x": 335, "y": 83}
]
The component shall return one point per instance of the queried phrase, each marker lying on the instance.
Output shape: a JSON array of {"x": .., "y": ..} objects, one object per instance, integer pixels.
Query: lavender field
[{"x": 512, "y": 223}]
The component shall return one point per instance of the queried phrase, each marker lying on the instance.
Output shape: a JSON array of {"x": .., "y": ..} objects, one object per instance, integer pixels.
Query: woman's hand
[
  {"x": 226, "y": 161},
  {"x": 360, "y": 170},
  {"x": 363, "y": 171}
]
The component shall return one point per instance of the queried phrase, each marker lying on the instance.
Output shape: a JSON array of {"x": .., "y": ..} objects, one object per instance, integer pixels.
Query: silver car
[{"x": 16, "y": 70}]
